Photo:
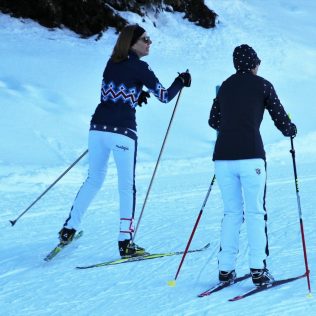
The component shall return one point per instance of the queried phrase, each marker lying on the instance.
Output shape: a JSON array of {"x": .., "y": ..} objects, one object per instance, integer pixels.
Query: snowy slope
[{"x": 49, "y": 83}]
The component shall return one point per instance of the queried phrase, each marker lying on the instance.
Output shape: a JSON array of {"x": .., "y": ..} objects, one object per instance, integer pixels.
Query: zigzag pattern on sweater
[
  {"x": 161, "y": 93},
  {"x": 109, "y": 91}
]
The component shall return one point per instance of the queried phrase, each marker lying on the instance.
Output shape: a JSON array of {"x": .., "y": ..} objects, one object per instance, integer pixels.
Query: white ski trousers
[
  {"x": 124, "y": 149},
  {"x": 242, "y": 185}
]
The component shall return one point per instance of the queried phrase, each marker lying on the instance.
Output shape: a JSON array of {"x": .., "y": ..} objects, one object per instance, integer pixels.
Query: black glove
[
  {"x": 293, "y": 131},
  {"x": 185, "y": 77},
  {"x": 143, "y": 98}
]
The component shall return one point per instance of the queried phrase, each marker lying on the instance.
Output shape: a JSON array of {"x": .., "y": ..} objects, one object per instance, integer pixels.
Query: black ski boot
[
  {"x": 227, "y": 276},
  {"x": 129, "y": 249},
  {"x": 66, "y": 235},
  {"x": 261, "y": 277}
]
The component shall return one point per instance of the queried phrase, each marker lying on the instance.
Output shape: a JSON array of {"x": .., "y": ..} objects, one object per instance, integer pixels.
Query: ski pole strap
[{"x": 292, "y": 151}]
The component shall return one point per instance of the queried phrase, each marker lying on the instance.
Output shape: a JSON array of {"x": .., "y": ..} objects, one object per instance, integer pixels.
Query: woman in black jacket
[{"x": 240, "y": 165}]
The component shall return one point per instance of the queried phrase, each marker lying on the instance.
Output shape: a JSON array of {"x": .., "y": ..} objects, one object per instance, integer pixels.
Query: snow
[{"x": 49, "y": 83}]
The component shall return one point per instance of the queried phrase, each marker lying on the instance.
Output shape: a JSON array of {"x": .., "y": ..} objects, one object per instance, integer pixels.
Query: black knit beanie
[
  {"x": 138, "y": 32},
  {"x": 245, "y": 58}
]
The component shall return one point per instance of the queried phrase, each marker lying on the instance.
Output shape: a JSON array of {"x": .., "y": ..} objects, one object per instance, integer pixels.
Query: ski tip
[
  {"x": 236, "y": 298},
  {"x": 172, "y": 283}
]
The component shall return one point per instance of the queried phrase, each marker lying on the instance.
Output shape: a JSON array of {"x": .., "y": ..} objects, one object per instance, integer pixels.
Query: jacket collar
[
  {"x": 244, "y": 71},
  {"x": 132, "y": 54}
]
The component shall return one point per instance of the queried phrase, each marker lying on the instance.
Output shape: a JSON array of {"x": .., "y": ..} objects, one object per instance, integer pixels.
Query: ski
[
  {"x": 141, "y": 258},
  {"x": 222, "y": 285},
  {"x": 61, "y": 246},
  {"x": 266, "y": 287}
]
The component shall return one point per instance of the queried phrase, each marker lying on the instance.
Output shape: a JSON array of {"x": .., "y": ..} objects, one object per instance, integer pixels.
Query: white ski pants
[
  {"x": 124, "y": 151},
  {"x": 242, "y": 185}
]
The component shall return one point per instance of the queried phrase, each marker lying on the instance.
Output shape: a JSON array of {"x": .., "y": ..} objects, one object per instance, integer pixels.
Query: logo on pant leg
[
  {"x": 122, "y": 147},
  {"x": 258, "y": 170}
]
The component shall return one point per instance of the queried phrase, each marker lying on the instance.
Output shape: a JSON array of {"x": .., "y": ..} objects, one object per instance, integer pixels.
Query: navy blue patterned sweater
[
  {"x": 237, "y": 113},
  {"x": 121, "y": 86}
]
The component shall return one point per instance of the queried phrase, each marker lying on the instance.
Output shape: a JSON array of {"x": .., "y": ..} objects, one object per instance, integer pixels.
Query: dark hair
[{"x": 123, "y": 44}]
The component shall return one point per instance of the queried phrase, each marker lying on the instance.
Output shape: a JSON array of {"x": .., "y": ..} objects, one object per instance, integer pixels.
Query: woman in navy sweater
[{"x": 113, "y": 129}]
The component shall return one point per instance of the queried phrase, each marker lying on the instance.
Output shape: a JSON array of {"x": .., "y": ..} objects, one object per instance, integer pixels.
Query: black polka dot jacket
[{"x": 237, "y": 113}]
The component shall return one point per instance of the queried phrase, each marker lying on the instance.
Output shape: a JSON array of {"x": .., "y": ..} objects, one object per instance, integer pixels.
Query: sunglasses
[{"x": 146, "y": 39}]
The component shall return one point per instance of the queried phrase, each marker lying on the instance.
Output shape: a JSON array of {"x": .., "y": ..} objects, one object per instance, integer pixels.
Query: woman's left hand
[{"x": 143, "y": 98}]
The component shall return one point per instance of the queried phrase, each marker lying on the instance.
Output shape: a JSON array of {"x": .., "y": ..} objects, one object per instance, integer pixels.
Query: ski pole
[
  {"x": 74, "y": 163},
  {"x": 157, "y": 163},
  {"x": 292, "y": 151},
  {"x": 173, "y": 282}
]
